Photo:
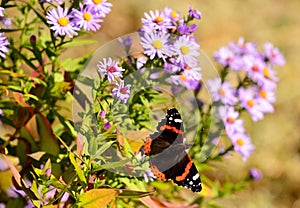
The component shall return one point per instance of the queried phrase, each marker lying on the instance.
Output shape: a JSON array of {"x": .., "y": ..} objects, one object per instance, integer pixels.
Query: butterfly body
[{"x": 168, "y": 157}]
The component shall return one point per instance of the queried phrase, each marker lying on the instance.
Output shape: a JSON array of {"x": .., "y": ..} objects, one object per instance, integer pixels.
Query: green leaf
[
  {"x": 78, "y": 43},
  {"x": 77, "y": 168},
  {"x": 97, "y": 198},
  {"x": 47, "y": 137}
]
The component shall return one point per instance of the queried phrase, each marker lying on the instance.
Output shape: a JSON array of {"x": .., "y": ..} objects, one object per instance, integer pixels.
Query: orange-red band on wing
[
  {"x": 186, "y": 172},
  {"x": 147, "y": 146},
  {"x": 172, "y": 128},
  {"x": 157, "y": 173}
]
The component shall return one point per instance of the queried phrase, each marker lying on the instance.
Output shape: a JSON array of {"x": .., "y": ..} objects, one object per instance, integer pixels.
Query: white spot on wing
[
  {"x": 177, "y": 120},
  {"x": 195, "y": 177}
]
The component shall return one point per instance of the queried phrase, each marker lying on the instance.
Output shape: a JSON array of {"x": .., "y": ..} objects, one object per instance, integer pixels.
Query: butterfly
[{"x": 168, "y": 157}]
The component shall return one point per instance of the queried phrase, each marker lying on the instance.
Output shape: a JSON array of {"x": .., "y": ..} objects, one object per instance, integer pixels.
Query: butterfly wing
[{"x": 169, "y": 160}]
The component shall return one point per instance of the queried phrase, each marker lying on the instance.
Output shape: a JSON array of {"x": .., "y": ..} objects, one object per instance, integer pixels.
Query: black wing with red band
[{"x": 169, "y": 159}]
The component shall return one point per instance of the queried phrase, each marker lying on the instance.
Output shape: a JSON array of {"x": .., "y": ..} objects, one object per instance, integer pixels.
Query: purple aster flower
[
  {"x": 221, "y": 91},
  {"x": 255, "y": 105},
  {"x": 242, "y": 47},
  {"x": 219, "y": 143},
  {"x": 184, "y": 29},
  {"x": 273, "y": 54},
  {"x": 60, "y": 21},
  {"x": 110, "y": 68},
  {"x": 189, "y": 79},
  {"x": 156, "y": 44},
  {"x": 126, "y": 41},
  {"x": 186, "y": 51},
  {"x": 267, "y": 94},
  {"x": 242, "y": 144},
  {"x": 171, "y": 68},
  {"x": 102, "y": 114},
  {"x": 194, "y": 14},
  {"x": 230, "y": 119},
  {"x": 87, "y": 18},
  {"x": 3, "y": 45},
  {"x": 254, "y": 67},
  {"x": 140, "y": 62},
  {"x": 1, "y": 11},
  {"x": 154, "y": 21},
  {"x": 106, "y": 126},
  {"x": 122, "y": 92},
  {"x": 100, "y": 6},
  {"x": 169, "y": 13},
  {"x": 255, "y": 174},
  {"x": 224, "y": 56}
]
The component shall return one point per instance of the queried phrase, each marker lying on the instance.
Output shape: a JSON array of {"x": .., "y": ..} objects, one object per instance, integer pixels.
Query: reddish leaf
[{"x": 47, "y": 137}]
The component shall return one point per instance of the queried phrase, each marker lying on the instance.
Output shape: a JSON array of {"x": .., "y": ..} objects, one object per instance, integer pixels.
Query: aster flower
[
  {"x": 186, "y": 51},
  {"x": 154, "y": 21},
  {"x": 3, "y": 45},
  {"x": 224, "y": 56},
  {"x": 110, "y": 68},
  {"x": 60, "y": 21},
  {"x": 219, "y": 143},
  {"x": 189, "y": 79},
  {"x": 243, "y": 48},
  {"x": 194, "y": 14},
  {"x": 273, "y": 55},
  {"x": 1, "y": 11},
  {"x": 254, "y": 104},
  {"x": 169, "y": 13},
  {"x": 242, "y": 144},
  {"x": 100, "y": 6},
  {"x": 230, "y": 119},
  {"x": 255, "y": 174},
  {"x": 254, "y": 67},
  {"x": 221, "y": 91},
  {"x": 122, "y": 92},
  {"x": 87, "y": 18},
  {"x": 156, "y": 44},
  {"x": 184, "y": 29},
  {"x": 171, "y": 68}
]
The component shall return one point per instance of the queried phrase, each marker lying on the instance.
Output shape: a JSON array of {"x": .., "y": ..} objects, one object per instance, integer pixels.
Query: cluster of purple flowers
[
  {"x": 3, "y": 40},
  {"x": 255, "y": 92},
  {"x": 169, "y": 37},
  {"x": 88, "y": 17},
  {"x": 113, "y": 73}
]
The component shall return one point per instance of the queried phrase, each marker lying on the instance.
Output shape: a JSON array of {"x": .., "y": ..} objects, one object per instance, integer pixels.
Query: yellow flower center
[
  {"x": 263, "y": 93},
  {"x": 266, "y": 72},
  {"x": 183, "y": 77},
  {"x": 250, "y": 103},
  {"x": 157, "y": 44},
  {"x": 97, "y": 1},
  {"x": 184, "y": 50},
  {"x": 87, "y": 16},
  {"x": 230, "y": 120},
  {"x": 221, "y": 92},
  {"x": 63, "y": 21},
  {"x": 174, "y": 14},
  {"x": 158, "y": 19},
  {"x": 240, "y": 142}
]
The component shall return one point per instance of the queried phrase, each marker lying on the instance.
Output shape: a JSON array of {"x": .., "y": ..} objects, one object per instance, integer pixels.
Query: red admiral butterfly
[{"x": 168, "y": 157}]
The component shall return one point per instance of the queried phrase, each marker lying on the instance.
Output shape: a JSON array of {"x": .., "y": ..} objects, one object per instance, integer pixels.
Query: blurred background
[{"x": 277, "y": 137}]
